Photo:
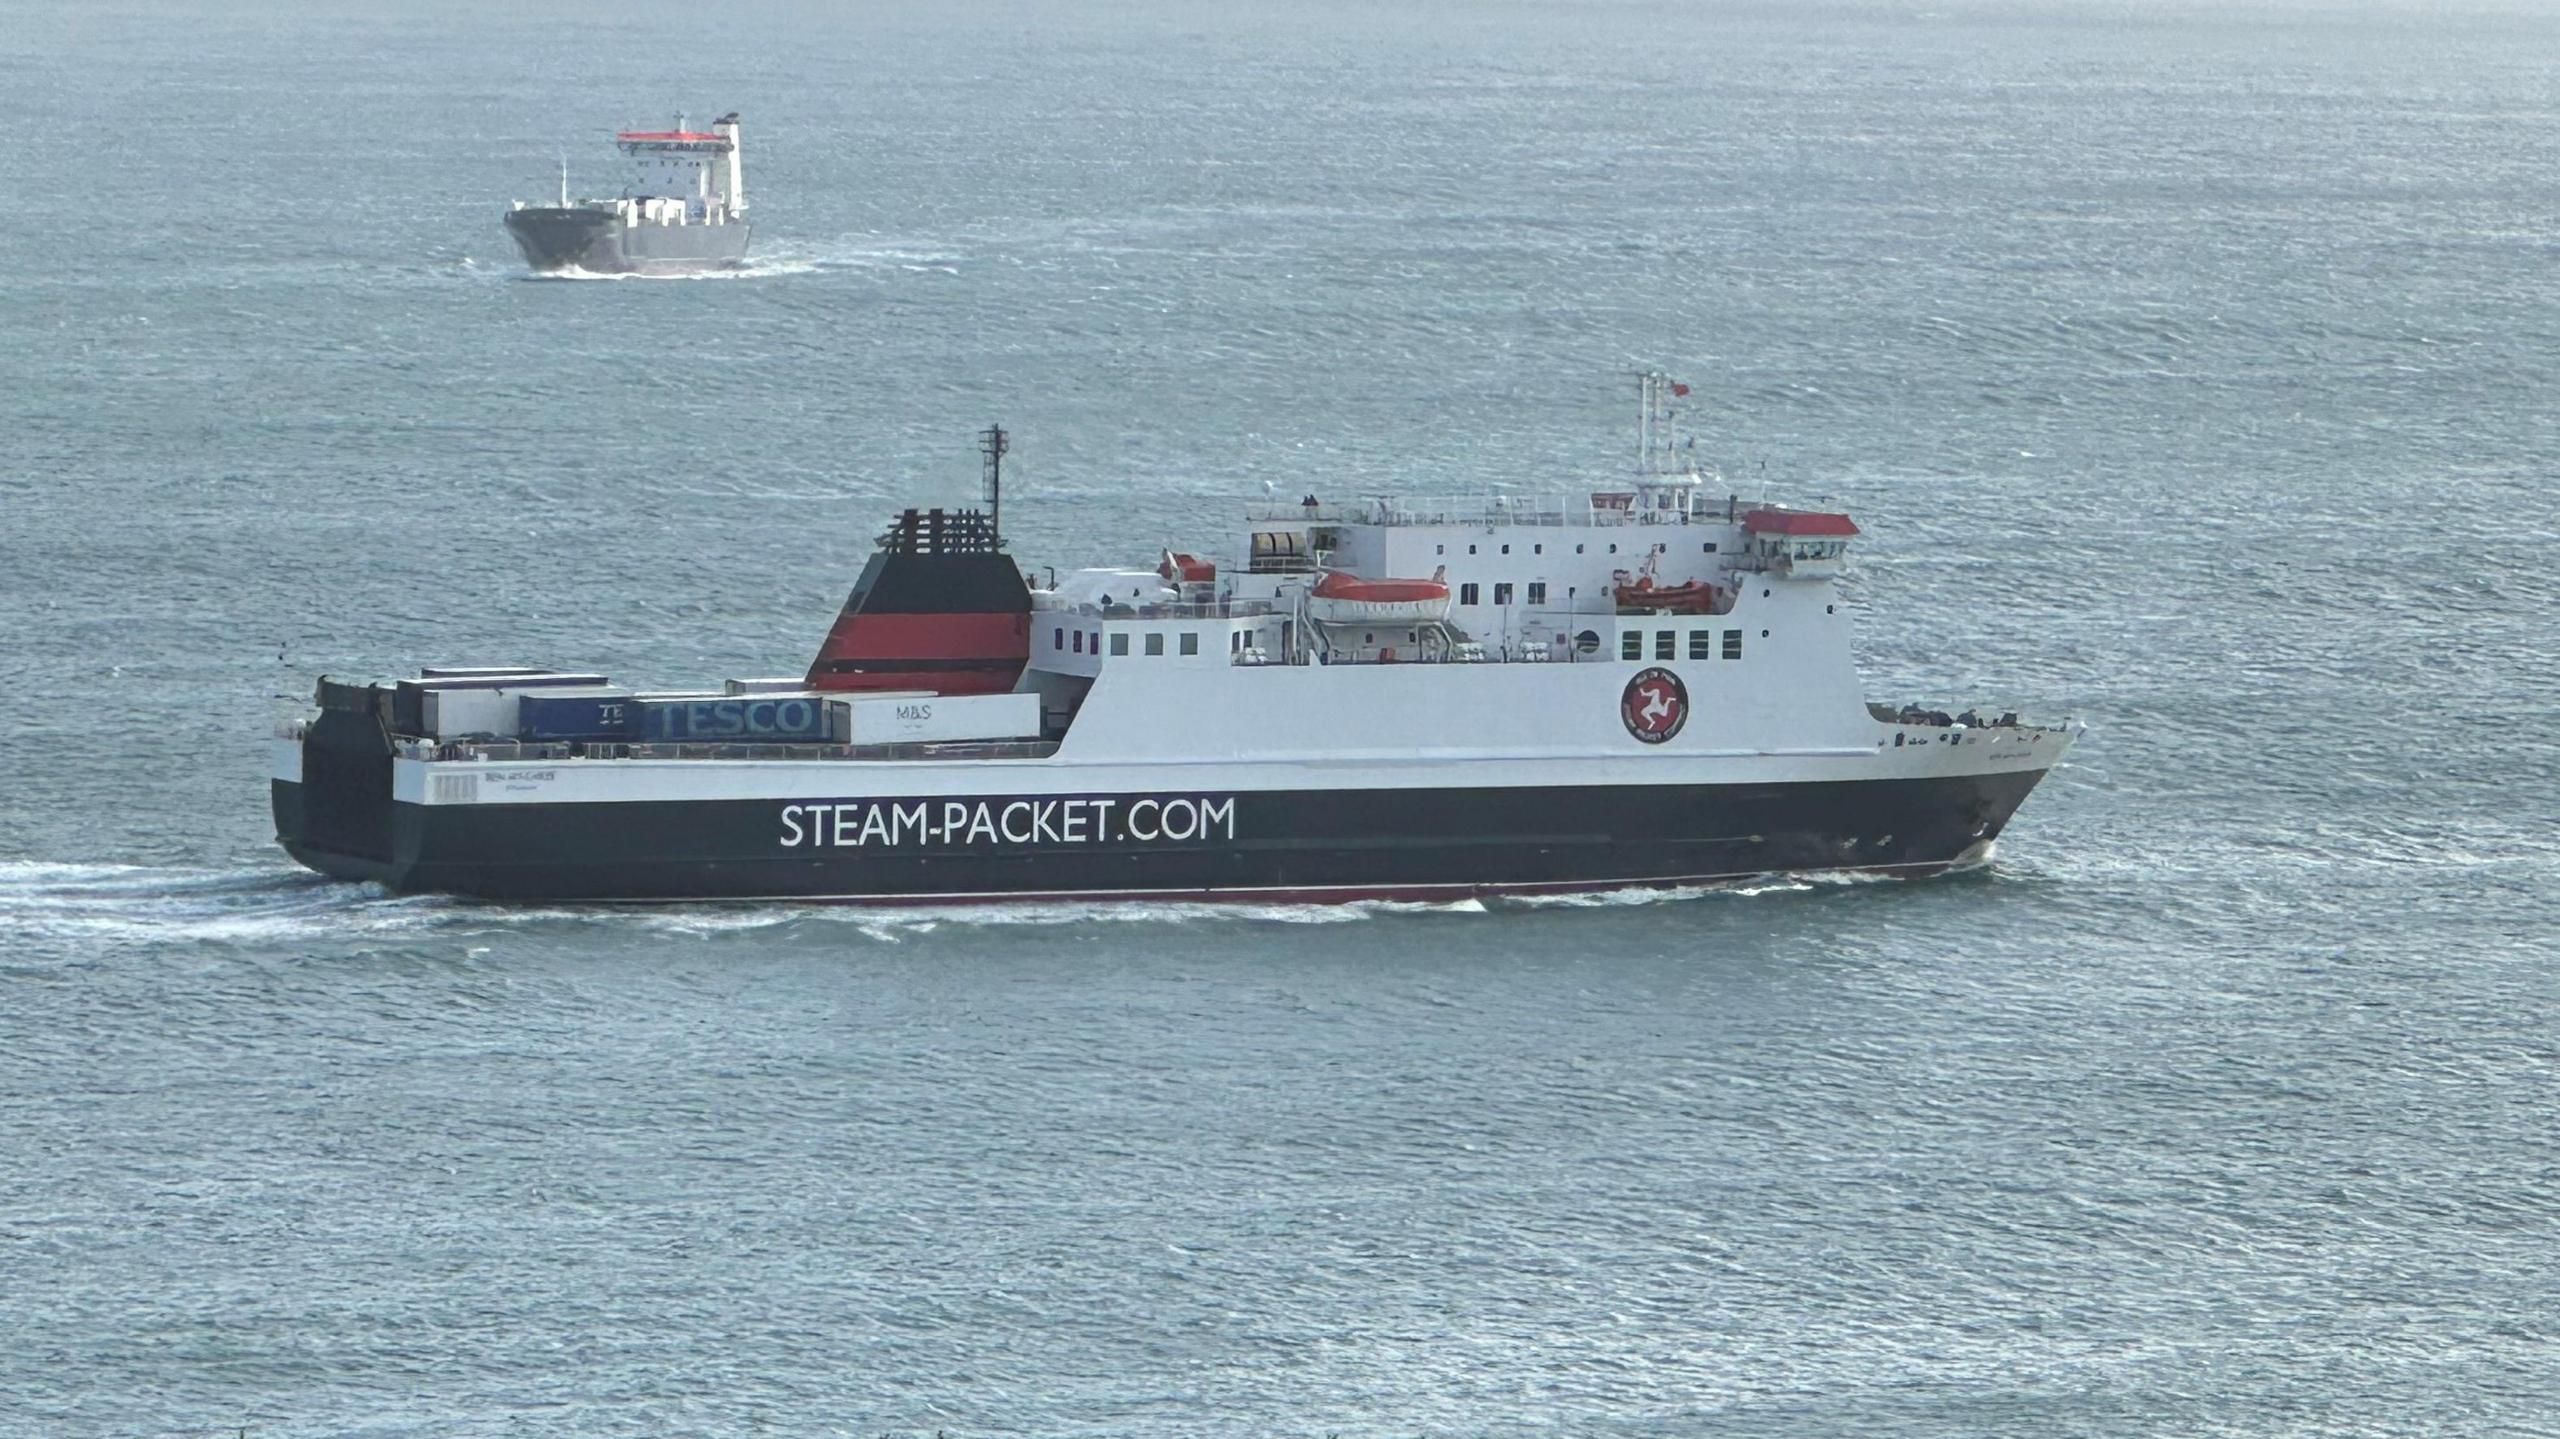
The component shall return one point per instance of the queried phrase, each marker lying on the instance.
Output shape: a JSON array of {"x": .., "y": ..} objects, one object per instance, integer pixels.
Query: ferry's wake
[
  {"x": 77, "y": 905},
  {"x": 112, "y": 903}
]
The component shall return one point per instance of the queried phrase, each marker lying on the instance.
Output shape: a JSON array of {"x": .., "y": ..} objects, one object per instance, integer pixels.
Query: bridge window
[
  {"x": 1666, "y": 644},
  {"x": 1058, "y": 638},
  {"x": 1467, "y": 593},
  {"x": 1506, "y": 549},
  {"x": 1537, "y": 549},
  {"x": 1537, "y": 592},
  {"x": 1733, "y": 644},
  {"x": 1702, "y": 644},
  {"x": 1502, "y": 591},
  {"x": 1191, "y": 642},
  {"x": 1155, "y": 643},
  {"x": 1708, "y": 548},
  {"x": 1079, "y": 642},
  {"x": 1631, "y": 645},
  {"x": 1120, "y": 644}
]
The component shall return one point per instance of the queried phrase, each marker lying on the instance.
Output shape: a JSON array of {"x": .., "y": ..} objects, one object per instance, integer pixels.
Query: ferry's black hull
[{"x": 1298, "y": 845}]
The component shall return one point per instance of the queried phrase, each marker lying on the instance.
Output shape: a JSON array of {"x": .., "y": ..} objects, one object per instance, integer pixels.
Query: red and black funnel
[{"x": 939, "y": 607}]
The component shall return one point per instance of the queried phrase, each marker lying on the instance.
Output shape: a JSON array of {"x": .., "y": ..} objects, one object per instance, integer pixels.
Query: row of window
[
  {"x": 1155, "y": 642},
  {"x": 1708, "y": 548},
  {"x": 1468, "y": 592},
  {"x": 1058, "y": 639},
  {"x": 1666, "y": 644}
]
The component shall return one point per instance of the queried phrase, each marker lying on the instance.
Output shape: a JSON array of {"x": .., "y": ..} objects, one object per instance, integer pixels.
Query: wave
[
  {"x": 79, "y": 904},
  {"x": 764, "y": 269},
  {"x": 118, "y": 902}
]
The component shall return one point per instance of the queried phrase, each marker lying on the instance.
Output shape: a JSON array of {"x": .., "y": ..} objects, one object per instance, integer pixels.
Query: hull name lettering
[{"x": 894, "y": 824}]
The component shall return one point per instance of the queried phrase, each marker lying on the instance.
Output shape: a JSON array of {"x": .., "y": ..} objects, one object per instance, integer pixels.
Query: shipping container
[
  {"x": 462, "y": 713},
  {"x": 479, "y": 672},
  {"x": 576, "y": 714},
  {"x": 773, "y": 719},
  {"x": 465, "y": 708},
  {"x": 409, "y": 712},
  {"x": 795, "y": 684},
  {"x": 921, "y": 719}
]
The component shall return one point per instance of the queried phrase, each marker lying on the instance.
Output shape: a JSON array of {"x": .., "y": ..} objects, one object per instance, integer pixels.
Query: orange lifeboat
[
  {"x": 1346, "y": 599},
  {"x": 1695, "y": 598}
]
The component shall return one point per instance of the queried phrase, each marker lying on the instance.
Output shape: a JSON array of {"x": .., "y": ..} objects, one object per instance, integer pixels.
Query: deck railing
[{"x": 551, "y": 751}]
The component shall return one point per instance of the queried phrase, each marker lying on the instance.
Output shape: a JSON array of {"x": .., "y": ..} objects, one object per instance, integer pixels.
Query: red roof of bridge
[{"x": 1798, "y": 522}]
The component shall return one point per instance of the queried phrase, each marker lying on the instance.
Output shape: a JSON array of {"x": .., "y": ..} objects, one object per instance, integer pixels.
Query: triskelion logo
[{"x": 1654, "y": 706}]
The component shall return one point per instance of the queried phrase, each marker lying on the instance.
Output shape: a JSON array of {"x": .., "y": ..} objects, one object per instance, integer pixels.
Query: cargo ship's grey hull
[{"x": 598, "y": 242}]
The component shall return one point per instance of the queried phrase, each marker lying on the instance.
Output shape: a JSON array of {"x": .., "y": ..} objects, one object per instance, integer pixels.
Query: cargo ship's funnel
[{"x": 939, "y": 607}]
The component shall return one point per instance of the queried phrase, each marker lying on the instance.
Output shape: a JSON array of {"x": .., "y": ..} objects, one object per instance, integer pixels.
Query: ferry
[{"x": 1644, "y": 685}]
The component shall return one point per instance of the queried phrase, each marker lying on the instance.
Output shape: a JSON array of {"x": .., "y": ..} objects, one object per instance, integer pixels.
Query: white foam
[
  {"x": 111, "y": 902},
  {"x": 752, "y": 270},
  {"x": 108, "y": 902}
]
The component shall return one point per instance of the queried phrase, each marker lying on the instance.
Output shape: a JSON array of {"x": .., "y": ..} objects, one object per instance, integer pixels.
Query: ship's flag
[{"x": 1678, "y": 388}]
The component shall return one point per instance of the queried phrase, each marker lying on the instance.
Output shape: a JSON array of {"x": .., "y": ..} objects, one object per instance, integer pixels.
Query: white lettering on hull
[{"x": 890, "y": 824}]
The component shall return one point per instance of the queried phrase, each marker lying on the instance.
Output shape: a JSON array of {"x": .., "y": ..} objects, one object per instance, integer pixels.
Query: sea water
[{"x": 2191, "y": 370}]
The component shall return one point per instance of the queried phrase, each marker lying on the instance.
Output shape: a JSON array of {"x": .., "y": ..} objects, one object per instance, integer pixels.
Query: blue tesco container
[
  {"x": 772, "y": 719},
  {"x": 576, "y": 716}
]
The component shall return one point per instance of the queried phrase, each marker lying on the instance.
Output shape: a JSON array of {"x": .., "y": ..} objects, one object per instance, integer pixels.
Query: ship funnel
[{"x": 736, "y": 189}]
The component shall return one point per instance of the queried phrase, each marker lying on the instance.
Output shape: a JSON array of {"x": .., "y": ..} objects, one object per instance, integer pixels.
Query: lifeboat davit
[
  {"x": 1695, "y": 598},
  {"x": 1346, "y": 599}
]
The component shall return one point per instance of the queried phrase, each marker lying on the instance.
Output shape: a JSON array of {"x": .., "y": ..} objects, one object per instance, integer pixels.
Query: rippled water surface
[{"x": 2191, "y": 370}]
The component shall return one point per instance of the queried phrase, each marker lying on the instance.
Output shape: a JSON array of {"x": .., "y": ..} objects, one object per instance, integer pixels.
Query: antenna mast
[
  {"x": 1659, "y": 448},
  {"x": 992, "y": 443}
]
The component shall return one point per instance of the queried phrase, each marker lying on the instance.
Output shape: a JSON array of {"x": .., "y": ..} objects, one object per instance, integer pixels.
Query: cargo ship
[
  {"x": 683, "y": 212},
  {"x": 1645, "y": 685}
]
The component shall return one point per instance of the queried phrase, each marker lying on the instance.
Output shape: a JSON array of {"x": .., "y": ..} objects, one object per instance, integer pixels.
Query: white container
[
  {"x": 452, "y": 714},
  {"x": 922, "y": 719},
  {"x": 791, "y": 686},
  {"x": 481, "y": 708}
]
